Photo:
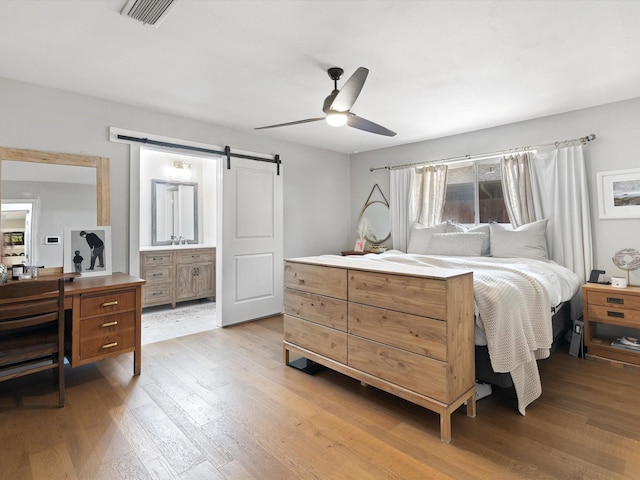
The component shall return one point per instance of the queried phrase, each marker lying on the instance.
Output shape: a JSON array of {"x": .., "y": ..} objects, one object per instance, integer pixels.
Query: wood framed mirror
[{"x": 102, "y": 178}]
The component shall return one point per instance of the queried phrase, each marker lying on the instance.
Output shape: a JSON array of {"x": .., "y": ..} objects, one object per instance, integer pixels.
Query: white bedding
[{"x": 512, "y": 299}]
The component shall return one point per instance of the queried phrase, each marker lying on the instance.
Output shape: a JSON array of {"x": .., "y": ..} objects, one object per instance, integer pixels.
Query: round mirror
[{"x": 375, "y": 224}]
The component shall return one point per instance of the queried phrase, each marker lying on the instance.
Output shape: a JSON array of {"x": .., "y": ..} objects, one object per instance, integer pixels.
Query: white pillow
[
  {"x": 526, "y": 241},
  {"x": 420, "y": 236},
  {"x": 456, "y": 227},
  {"x": 463, "y": 244}
]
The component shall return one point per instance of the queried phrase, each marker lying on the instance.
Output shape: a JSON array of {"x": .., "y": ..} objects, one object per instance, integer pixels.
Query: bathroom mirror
[
  {"x": 174, "y": 212},
  {"x": 36, "y": 170}
]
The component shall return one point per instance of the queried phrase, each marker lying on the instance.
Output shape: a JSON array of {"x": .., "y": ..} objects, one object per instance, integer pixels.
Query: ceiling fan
[{"x": 337, "y": 106}]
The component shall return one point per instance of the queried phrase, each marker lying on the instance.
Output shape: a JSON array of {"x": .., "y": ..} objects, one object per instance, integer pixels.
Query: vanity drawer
[
  {"x": 157, "y": 293},
  {"x": 160, "y": 258},
  {"x": 161, "y": 273},
  {"x": 100, "y": 304},
  {"x": 204, "y": 255},
  {"x": 104, "y": 335}
]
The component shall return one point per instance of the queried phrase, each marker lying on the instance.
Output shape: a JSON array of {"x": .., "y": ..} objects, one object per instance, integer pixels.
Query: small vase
[{"x": 4, "y": 273}]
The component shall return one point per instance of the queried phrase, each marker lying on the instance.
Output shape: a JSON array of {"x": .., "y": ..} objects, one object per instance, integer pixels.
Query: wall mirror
[
  {"x": 174, "y": 212},
  {"x": 374, "y": 224},
  {"x": 59, "y": 189}
]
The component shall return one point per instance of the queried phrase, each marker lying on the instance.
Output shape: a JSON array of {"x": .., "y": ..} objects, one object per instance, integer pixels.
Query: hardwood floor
[{"x": 221, "y": 405}]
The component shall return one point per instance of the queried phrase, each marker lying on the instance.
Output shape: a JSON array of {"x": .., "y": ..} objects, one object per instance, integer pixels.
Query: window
[{"x": 474, "y": 194}]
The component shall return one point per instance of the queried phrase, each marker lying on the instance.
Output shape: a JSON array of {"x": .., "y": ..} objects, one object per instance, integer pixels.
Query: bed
[{"x": 521, "y": 298}]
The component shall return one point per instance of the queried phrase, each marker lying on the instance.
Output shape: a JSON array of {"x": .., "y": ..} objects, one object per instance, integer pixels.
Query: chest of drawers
[{"x": 405, "y": 332}]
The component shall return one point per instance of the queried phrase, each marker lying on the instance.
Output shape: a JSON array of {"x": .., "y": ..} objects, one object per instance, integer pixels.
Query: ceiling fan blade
[
  {"x": 291, "y": 123},
  {"x": 350, "y": 90},
  {"x": 368, "y": 126}
]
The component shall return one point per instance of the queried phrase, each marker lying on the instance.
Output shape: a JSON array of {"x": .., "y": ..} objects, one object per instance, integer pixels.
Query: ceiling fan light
[{"x": 336, "y": 119}]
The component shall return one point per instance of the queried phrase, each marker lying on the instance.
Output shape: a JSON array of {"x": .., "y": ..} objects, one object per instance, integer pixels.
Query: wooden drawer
[
  {"x": 421, "y": 335},
  {"x": 161, "y": 258},
  {"x": 415, "y": 295},
  {"x": 104, "y": 341},
  {"x": 105, "y": 303},
  {"x": 319, "y": 279},
  {"x": 328, "y": 311},
  {"x": 418, "y": 373},
  {"x": 318, "y": 338},
  {"x": 159, "y": 293},
  {"x": 195, "y": 256},
  {"x": 618, "y": 300},
  {"x": 161, "y": 273},
  {"x": 613, "y": 315}
]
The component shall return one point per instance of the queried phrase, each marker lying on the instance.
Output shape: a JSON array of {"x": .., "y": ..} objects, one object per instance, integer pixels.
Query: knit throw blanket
[{"x": 514, "y": 310}]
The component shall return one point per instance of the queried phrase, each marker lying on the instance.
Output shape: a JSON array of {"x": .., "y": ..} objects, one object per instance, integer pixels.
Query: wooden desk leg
[
  {"x": 285, "y": 355},
  {"x": 137, "y": 353}
]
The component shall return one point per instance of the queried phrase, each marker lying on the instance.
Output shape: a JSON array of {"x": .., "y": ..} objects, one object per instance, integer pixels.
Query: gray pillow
[
  {"x": 456, "y": 227},
  {"x": 463, "y": 244},
  {"x": 420, "y": 236},
  {"x": 526, "y": 241}
]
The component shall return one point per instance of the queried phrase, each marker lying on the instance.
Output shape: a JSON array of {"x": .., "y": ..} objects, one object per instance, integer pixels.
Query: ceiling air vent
[{"x": 149, "y": 12}]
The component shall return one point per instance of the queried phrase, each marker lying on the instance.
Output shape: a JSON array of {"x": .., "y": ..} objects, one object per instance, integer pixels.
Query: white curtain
[
  {"x": 516, "y": 185},
  {"x": 561, "y": 194},
  {"x": 401, "y": 206},
  {"x": 431, "y": 191}
]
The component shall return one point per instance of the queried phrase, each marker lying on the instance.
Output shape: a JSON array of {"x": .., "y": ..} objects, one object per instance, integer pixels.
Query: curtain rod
[{"x": 465, "y": 158}]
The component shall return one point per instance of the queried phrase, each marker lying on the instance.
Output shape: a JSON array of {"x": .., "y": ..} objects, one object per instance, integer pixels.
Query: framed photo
[
  {"x": 619, "y": 194},
  {"x": 87, "y": 250},
  {"x": 359, "y": 245}
]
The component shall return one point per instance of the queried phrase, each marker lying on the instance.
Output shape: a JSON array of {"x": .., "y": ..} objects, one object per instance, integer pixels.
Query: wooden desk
[{"x": 103, "y": 318}]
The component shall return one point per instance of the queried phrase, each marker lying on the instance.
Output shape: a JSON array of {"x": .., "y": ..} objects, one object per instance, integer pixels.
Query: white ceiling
[{"x": 436, "y": 67}]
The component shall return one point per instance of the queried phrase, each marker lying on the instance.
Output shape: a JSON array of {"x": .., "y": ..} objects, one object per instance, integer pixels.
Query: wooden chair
[{"x": 32, "y": 329}]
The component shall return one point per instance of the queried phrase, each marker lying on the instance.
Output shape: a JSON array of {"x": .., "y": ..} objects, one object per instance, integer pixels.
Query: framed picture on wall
[
  {"x": 619, "y": 194},
  {"x": 87, "y": 250}
]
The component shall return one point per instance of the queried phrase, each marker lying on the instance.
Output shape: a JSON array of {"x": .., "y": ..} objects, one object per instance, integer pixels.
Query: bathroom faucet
[{"x": 182, "y": 241}]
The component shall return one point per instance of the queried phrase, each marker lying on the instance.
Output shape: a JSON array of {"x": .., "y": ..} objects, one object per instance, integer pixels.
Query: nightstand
[{"x": 610, "y": 313}]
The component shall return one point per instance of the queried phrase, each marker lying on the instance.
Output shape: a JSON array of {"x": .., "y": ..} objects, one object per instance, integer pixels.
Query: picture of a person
[
  {"x": 77, "y": 261},
  {"x": 97, "y": 248}
]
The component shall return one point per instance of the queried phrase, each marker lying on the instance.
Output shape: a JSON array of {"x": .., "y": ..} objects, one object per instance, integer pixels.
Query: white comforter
[{"x": 512, "y": 299}]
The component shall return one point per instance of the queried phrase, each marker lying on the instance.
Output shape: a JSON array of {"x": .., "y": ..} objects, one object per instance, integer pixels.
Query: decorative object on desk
[
  {"x": 374, "y": 224},
  {"x": 627, "y": 259},
  {"x": 378, "y": 248},
  {"x": 87, "y": 250},
  {"x": 619, "y": 194},
  {"x": 4, "y": 273},
  {"x": 16, "y": 271},
  {"x": 359, "y": 247}
]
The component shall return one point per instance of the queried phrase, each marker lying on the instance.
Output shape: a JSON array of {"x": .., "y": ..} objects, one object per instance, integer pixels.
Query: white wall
[
  {"x": 616, "y": 126},
  {"x": 316, "y": 182}
]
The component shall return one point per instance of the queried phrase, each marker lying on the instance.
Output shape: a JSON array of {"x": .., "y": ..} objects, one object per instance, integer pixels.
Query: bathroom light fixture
[{"x": 180, "y": 165}]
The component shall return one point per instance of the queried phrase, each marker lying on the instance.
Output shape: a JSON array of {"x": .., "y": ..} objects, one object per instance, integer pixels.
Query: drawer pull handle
[
  {"x": 617, "y": 301},
  {"x": 157, "y": 293},
  {"x": 109, "y": 304},
  {"x": 157, "y": 275},
  {"x": 109, "y": 324},
  {"x": 615, "y": 314},
  {"x": 109, "y": 345}
]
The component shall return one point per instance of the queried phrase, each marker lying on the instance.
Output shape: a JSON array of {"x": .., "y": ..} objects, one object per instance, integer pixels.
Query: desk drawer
[
  {"x": 105, "y": 303},
  {"x": 323, "y": 340},
  {"x": 103, "y": 335}
]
